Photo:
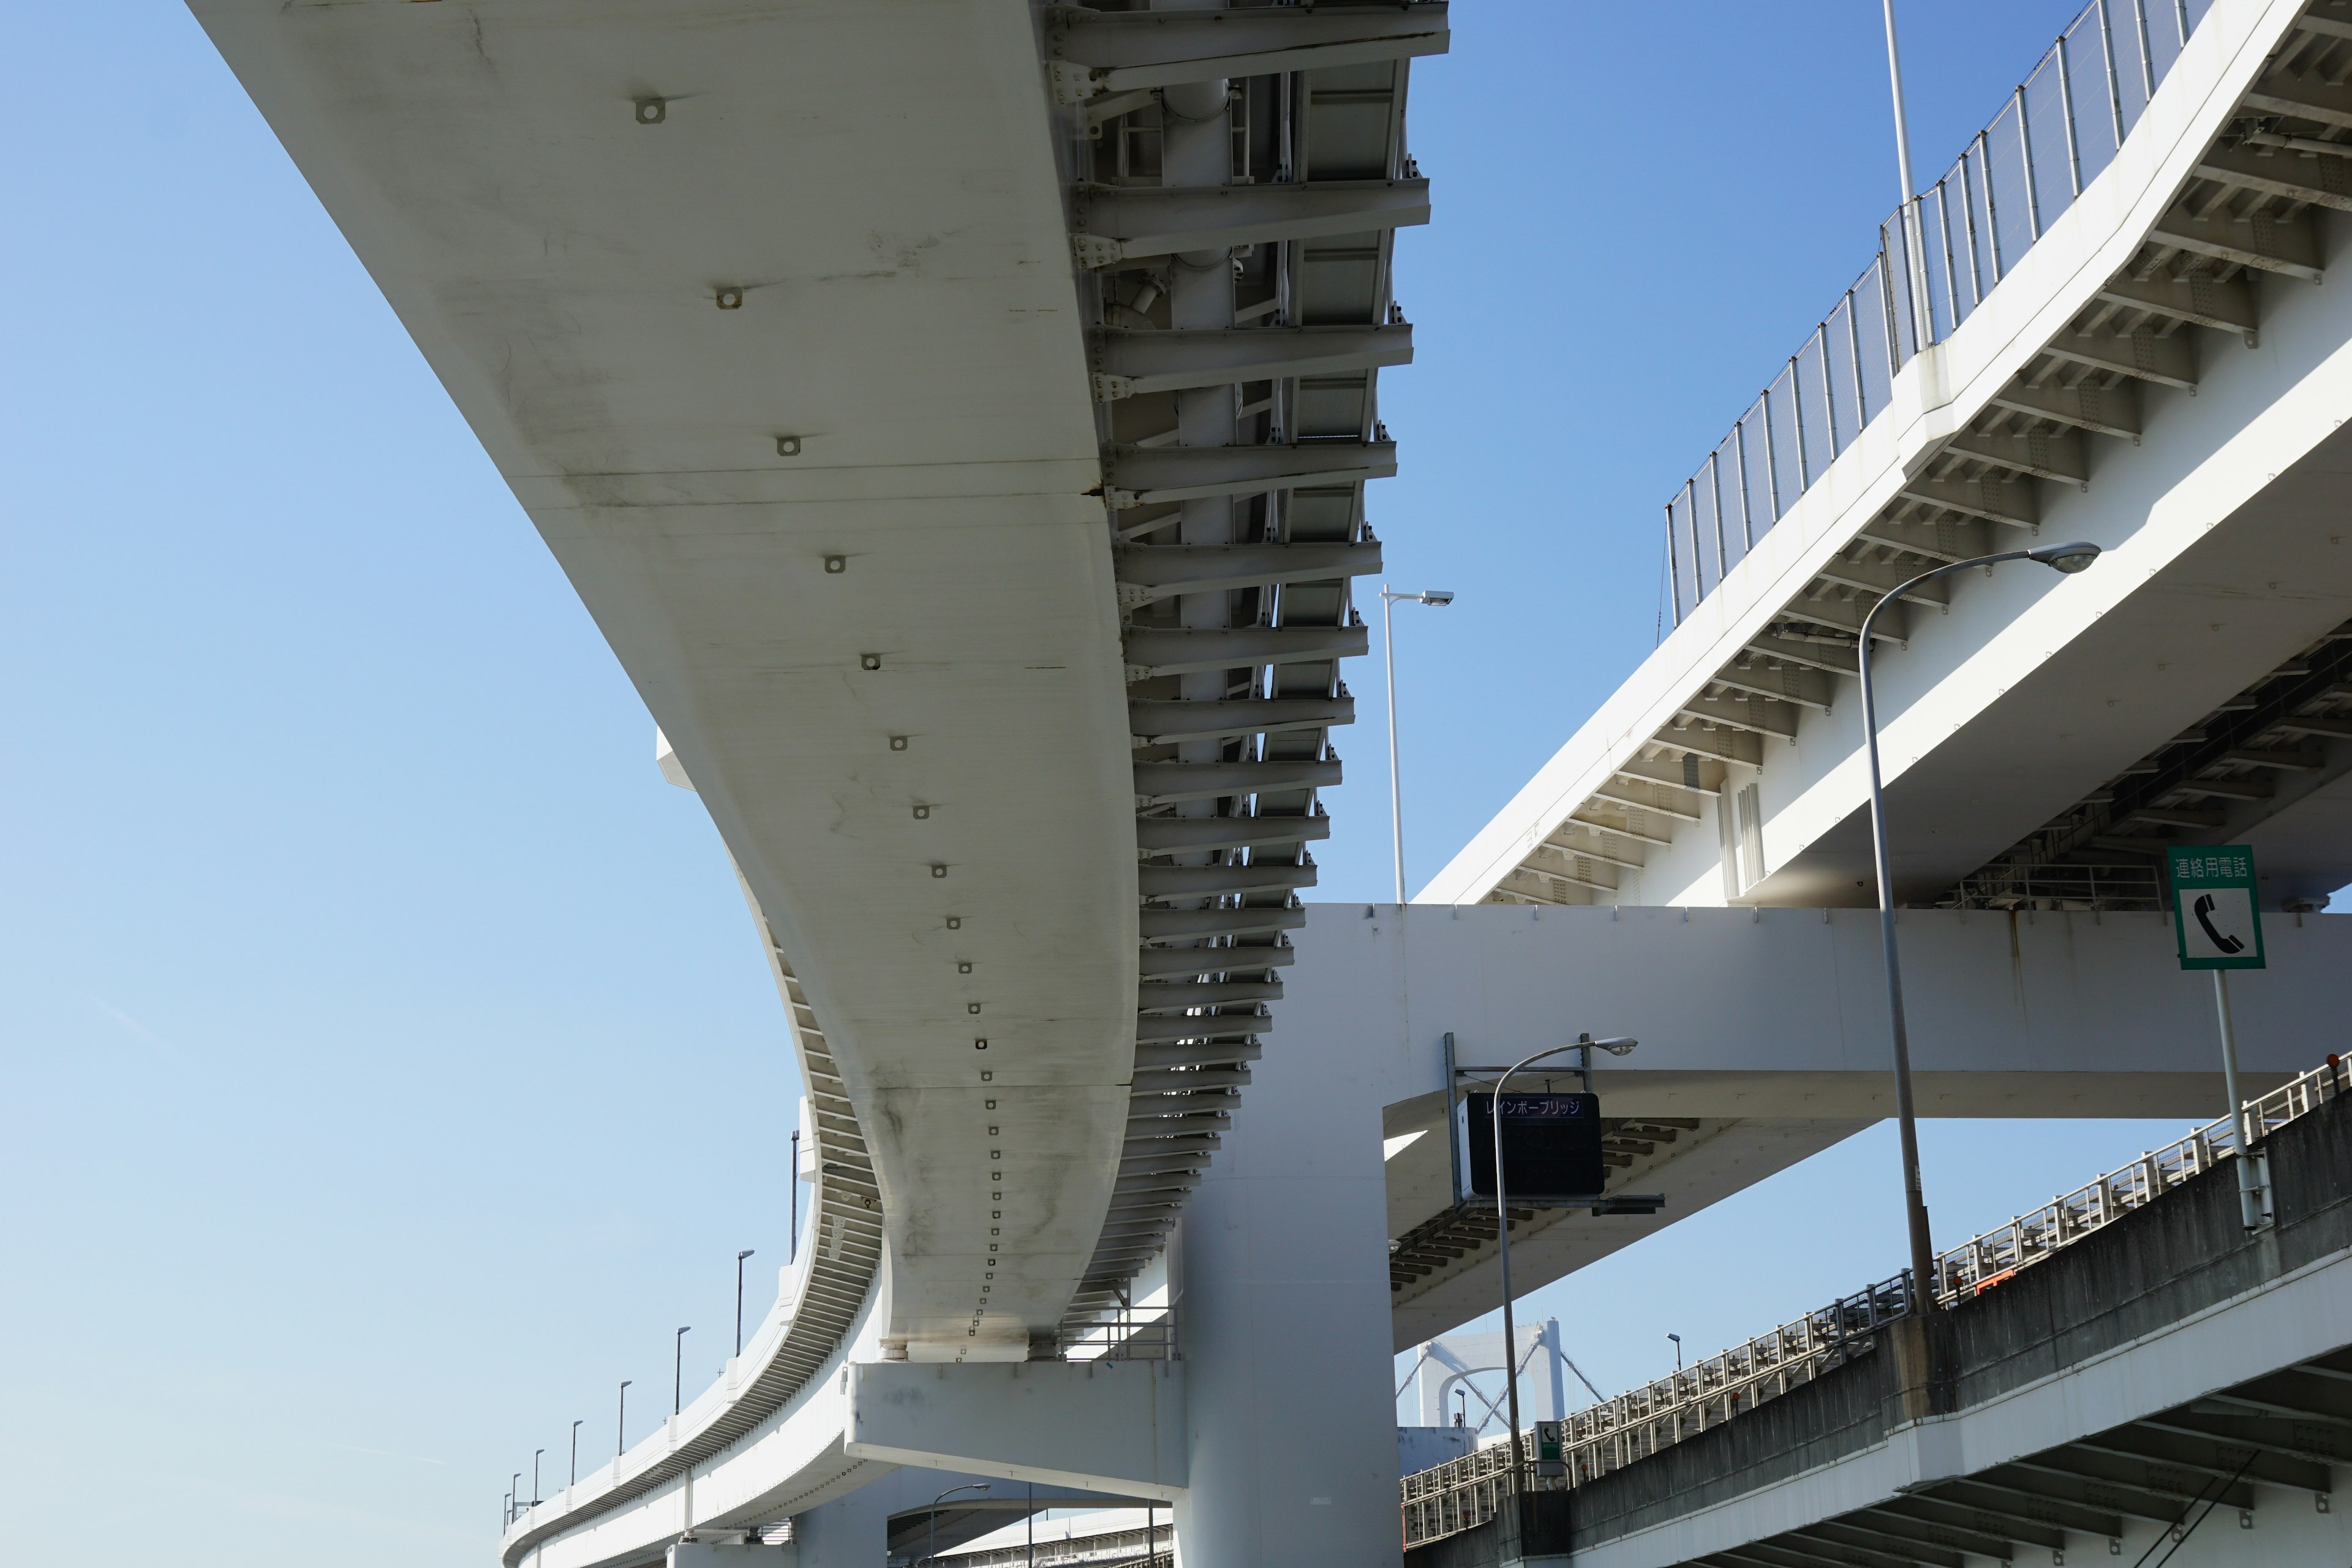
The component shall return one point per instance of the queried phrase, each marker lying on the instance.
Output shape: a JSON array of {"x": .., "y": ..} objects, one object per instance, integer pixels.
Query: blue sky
[{"x": 390, "y": 1065}]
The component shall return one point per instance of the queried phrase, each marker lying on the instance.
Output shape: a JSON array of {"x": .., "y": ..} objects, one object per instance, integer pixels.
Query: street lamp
[
  {"x": 534, "y": 1476},
  {"x": 575, "y": 1454},
  {"x": 1616, "y": 1046},
  {"x": 2067, "y": 558},
  {"x": 517, "y": 1494},
  {"x": 621, "y": 1429},
  {"x": 1678, "y": 1351},
  {"x": 1440, "y": 597},
  {"x": 933, "y": 1553},
  {"x": 677, "y": 1371},
  {"x": 739, "y": 1299},
  {"x": 1915, "y": 243},
  {"x": 793, "y": 1194}
]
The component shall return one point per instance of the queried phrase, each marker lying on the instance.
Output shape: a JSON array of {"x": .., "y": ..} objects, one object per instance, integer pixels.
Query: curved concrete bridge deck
[{"x": 956, "y": 416}]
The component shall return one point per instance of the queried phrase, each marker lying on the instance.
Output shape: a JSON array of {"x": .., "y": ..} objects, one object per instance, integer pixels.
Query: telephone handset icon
[{"x": 2202, "y": 909}]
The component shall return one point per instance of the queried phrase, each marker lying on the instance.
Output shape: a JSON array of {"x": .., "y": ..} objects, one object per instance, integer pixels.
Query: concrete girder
[
  {"x": 1160, "y": 723},
  {"x": 1116, "y": 223},
  {"x": 2044, "y": 454},
  {"x": 1730, "y": 745},
  {"x": 2144, "y": 356},
  {"x": 2323, "y": 182},
  {"x": 1094, "y": 52},
  {"x": 2304, "y": 100},
  {"x": 1196, "y": 1054},
  {"x": 1156, "y": 998},
  {"x": 1708, "y": 778},
  {"x": 1154, "y": 651},
  {"x": 2270, "y": 245},
  {"x": 1650, "y": 795},
  {"x": 1156, "y": 476},
  {"x": 1842, "y": 614},
  {"x": 1946, "y": 539},
  {"x": 1622, "y": 829},
  {"x": 1181, "y": 925},
  {"x": 1830, "y": 658},
  {"x": 1754, "y": 715},
  {"x": 1160, "y": 783},
  {"x": 1879, "y": 577},
  {"x": 1630, "y": 856},
  {"x": 1996, "y": 499},
  {"x": 1223, "y": 881},
  {"x": 1115, "y": 1426},
  {"x": 1160, "y": 964},
  {"x": 1528, "y": 880},
  {"x": 2227, "y": 305},
  {"x": 1169, "y": 834},
  {"x": 1157, "y": 1030},
  {"x": 1798, "y": 683},
  {"x": 1150, "y": 572},
  {"x": 2108, "y": 410},
  {"x": 1127, "y": 362}
]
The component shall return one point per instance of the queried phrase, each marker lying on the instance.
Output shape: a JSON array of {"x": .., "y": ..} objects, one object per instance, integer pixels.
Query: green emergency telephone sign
[{"x": 2216, "y": 915}]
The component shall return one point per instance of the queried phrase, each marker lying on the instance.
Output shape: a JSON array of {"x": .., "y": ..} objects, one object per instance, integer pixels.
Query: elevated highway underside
[
  {"x": 956, "y": 416},
  {"x": 792, "y": 386}
]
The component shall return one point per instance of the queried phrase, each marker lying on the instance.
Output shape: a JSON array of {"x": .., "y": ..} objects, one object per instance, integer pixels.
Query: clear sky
[{"x": 389, "y": 1065}]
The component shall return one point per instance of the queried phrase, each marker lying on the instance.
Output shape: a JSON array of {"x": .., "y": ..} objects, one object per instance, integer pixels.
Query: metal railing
[
  {"x": 1463, "y": 1493},
  {"x": 1127, "y": 1333},
  {"x": 2060, "y": 886},
  {"x": 1984, "y": 1262},
  {"x": 2060, "y": 128}
]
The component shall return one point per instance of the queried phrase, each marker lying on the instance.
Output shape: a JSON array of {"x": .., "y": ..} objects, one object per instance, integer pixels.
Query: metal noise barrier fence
[
  {"x": 2059, "y": 130},
  {"x": 1463, "y": 1493},
  {"x": 1127, "y": 1333}
]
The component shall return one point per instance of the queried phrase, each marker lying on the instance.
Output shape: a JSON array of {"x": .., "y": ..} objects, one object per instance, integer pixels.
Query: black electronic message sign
[{"x": 1551, "y": 1146}]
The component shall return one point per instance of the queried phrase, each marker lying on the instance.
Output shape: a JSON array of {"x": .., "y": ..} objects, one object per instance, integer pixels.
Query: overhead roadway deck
[
  {"x": 965, "y": 454},
  {"x": 2163, "y": 372}
]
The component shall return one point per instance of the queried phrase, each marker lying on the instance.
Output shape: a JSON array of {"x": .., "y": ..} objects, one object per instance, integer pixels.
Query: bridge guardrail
[
  {"x": 1466, "y": 1492},
  {"x": 2061, "y": 126},
  {"x": 1985, "y": 1260}
]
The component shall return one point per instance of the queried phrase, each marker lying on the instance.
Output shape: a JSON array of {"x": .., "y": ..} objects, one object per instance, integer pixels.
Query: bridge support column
[{"x": 1284, "y": 1322}]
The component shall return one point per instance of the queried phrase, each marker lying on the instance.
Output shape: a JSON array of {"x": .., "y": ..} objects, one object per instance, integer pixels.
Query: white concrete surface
[
  {"x": 912, "y": 342},
  {"x": 1108, "y": 1426},
  {"x": 1769, "y": 1027}
]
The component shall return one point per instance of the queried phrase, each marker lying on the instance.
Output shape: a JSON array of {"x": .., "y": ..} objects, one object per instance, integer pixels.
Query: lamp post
[
  {"x": 534, "y": 1476},
  {"x": 517, "y": 1494},
  {"x": 968, "y": 1487},
  {"x": 621, "y": 1428},
  {"x": 1617, "y": 1046},
  {"x": 2067, "y": 558},
  {"x": 677, "y": 1371},
  {"x": 1915, "y": 242},
  {"x": 792, "y": 1201},
  {"x": 575, "y": 1455},
  {"x": 1678, "y": 1353},
  {"x": 1437, "y": 596},
  {"x": 739, "y": 1299}
]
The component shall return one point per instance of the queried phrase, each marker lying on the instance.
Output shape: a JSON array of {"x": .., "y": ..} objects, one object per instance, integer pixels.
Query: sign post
[{"x": 2217, "y": 918}]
